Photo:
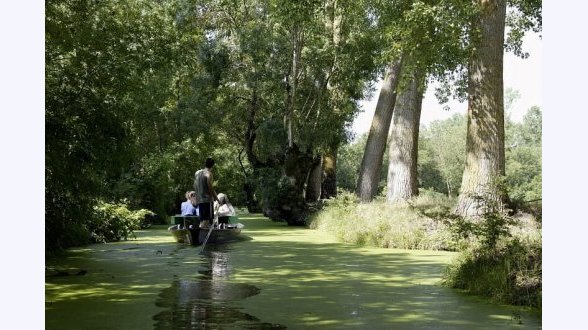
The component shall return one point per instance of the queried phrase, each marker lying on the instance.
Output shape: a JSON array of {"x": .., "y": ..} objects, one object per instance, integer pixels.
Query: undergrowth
[
  {"x": 509, "y": 273},
  {"x": 502, "y": 260},
  {"x": 114, "y": 221},
  {"x": 499, "y": 255},
  {"x": 389, "y": 226}
]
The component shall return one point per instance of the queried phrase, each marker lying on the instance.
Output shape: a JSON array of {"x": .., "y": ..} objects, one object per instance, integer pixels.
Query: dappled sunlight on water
[
  {"x": 209, "y": 300},
  {"x": 275, "y": 276}
]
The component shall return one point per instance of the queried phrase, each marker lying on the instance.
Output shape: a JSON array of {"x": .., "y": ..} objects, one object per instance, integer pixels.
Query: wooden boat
[{"x": 189, "y": 231}]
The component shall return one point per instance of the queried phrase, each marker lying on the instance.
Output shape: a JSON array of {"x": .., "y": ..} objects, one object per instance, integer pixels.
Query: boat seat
[
  {"x": 190, "y": 220},
  {"x": 228, "y": 219},
  {"x": 183, "y": 220}
]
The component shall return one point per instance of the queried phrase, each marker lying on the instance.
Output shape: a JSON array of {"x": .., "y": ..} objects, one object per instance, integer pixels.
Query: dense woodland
[{"x": 138, "y": 93}]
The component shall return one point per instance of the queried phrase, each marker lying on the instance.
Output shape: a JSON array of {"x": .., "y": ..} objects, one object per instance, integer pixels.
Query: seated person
[
  {"x": 189, "y": 207},
  {"x": 225, "y": 208}
]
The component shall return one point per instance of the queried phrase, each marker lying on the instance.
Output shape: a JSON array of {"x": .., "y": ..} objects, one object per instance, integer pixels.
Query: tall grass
[{"x": 380, "y": 224}]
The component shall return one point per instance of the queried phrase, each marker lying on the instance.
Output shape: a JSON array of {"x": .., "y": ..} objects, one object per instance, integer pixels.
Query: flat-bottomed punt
[{"x": 187, "y": 230}]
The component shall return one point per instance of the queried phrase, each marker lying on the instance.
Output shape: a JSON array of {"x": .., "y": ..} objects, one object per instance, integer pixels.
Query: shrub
[
  {"x": 113, "y": 221},
  {"x": 510, "y": 273},
  {"x": 503, "y": 260}
]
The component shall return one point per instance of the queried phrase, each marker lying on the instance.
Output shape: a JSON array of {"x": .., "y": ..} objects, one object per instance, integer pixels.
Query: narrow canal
[{"x": 274, "y": 276}]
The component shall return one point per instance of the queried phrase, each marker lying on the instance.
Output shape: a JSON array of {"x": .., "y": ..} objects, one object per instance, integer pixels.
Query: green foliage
[
  {"x": 428, "y": 172},
  {"x": 523, "y": 159},
  {"x": 493, "y": 224},
  {"x": 267, "y": 183},
  {"x": 502, "y": 259},
  {"x": 259, "y": 95},
  {"x": 108, "y": 75},
  {"x": 524, "y": 15},
  {"x": 114, "y": 221},
  {"x": 229, "y": 176},
  {"x": 442, "y": 154},
  {"x": 349, "y": 159},
  {"x": 510, "y": 273},
  {"x": 271, "y": 136},
  {"x": 348, "y": 163},
  {"x": 279, "y": 197}
]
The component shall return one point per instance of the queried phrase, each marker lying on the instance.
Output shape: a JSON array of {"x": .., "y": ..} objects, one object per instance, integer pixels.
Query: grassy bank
[
  {"x": 379, "y": 224},
  {"x": 510, "y": 273},
  {"x": 500, "y": 256}
]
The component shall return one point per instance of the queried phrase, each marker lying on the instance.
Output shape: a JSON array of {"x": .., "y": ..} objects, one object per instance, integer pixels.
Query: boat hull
[{"x": 197, "y": 236}]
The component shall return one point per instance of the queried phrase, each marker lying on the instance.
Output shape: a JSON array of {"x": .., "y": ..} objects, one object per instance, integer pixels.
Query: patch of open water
[{"x": 209, "y": 301}]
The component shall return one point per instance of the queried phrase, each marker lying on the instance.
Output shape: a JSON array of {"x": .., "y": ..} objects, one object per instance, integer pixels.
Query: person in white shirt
[{"x": 225, "y": 208}]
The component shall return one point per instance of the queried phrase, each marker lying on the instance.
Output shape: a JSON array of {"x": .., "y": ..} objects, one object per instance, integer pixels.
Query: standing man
[{"x": 205, "y": 193}]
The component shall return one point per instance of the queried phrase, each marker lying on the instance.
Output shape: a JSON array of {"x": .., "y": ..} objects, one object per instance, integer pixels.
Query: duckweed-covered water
[{"x": 274, "y": 276}]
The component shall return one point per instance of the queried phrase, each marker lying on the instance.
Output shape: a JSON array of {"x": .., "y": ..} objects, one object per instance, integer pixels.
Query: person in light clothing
[
  {"x": 225, "y": 208},
  {"x": 190, "y": 206}
]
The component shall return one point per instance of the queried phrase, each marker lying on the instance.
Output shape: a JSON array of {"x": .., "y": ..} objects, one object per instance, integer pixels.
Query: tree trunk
[
  {"x": 333, "y": 23},
  {"x": 292, "y": 80},
  {"x": 290, "y": 204},
  {"x": 402, "y": 182},
  {"x": 329, "y": 167},
  {"x": 485, "y": 131},
  {"x": 371, "y": 164},
  {"x": 313, "y": 185}
]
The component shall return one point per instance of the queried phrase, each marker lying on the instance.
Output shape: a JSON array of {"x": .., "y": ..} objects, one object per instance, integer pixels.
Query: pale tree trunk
[
  {"x": 402, "y": 183},
  {"x": 297, "y": 39},
  {"x": 485, "y": 127},
  {"x": 333, "y": 23},
  {"x": 313, "y": 185},
  {"x": 329, "y": 169},
  {"x": 371, "y": 164}
]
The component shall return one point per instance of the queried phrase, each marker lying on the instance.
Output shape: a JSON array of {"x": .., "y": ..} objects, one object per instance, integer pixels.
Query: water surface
[{"x": 275, "y": 276}]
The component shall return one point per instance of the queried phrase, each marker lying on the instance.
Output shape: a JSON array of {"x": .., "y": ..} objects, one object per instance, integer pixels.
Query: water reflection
[{"x": 209, "y": 302}]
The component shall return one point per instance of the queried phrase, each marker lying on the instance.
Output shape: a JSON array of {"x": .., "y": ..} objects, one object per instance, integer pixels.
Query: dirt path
[{"x": 274, "y": 277}]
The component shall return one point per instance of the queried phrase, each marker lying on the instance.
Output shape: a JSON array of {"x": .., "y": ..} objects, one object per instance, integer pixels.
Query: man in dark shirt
[{"x": 205, "y": 193}]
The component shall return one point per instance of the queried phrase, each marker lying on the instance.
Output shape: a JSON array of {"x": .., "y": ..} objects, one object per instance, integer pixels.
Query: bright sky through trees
[{"x": 523, "y": 75}]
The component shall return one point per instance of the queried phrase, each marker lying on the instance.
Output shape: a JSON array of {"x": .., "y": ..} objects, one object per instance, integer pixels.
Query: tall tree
[
  {"x": 371, "y": 164},
  {"x": 402, "y": 182},
  {"x": 485, "y": 124},
  {"x": 333, "y": 26},
  {"x": 295, "y": 84},
  {"x": 430, "y": 39},
  {"x": 108, "y": 75}
]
